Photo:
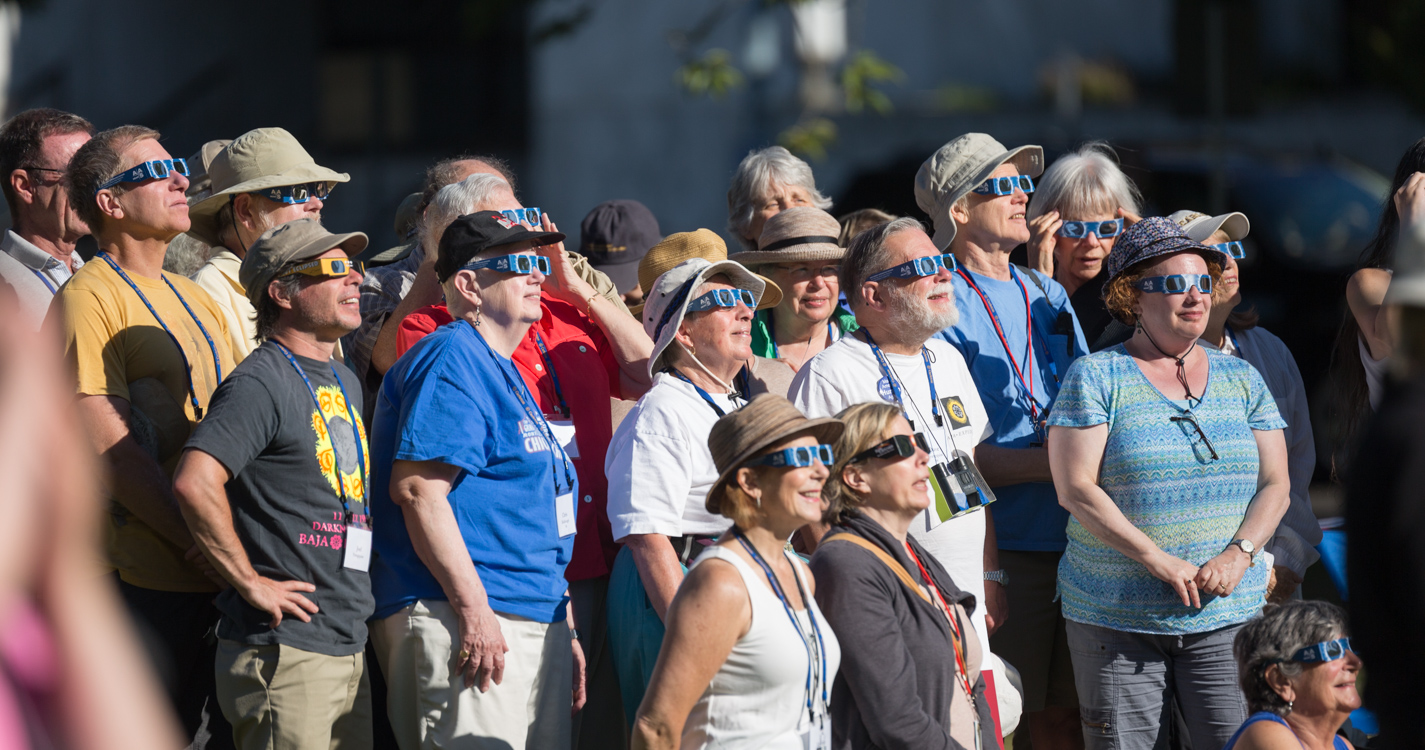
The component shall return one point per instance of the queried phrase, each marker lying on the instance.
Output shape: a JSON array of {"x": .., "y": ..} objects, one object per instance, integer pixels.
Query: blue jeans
[{"x": 1126, "y": 680}]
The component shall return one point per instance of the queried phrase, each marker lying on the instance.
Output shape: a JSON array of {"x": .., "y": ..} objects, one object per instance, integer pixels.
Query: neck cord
[
  {"x": 731, "y": 392},
  {"x": 1027, "y": 386},
  {"x": 51, "y": 287},
  {"x": 360, "y": 488},
  {"x": 1182, "y": 368},
  {"x": 895, "y": 385},
  {"x": 535, "y": 415},
  {"x": 957, "y": 636},
  {"x": 553, "y": 376}
]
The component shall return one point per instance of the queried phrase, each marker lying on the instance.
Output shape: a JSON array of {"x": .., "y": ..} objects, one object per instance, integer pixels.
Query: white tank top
[
  {"x": 758, "y": 697},
  {"x": 1375, "y": 373}
]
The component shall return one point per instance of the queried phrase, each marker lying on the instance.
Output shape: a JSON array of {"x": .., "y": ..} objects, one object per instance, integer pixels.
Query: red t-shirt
[{"x": 588, "y": 376}]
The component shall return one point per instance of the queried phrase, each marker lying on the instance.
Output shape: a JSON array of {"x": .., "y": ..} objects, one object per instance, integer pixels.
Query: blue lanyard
[
  {"x": 741, "y": 375},
  {"x": 895, "y": 383},
  {"x": 549, "y": 366},
  {"x": 212, "y": 347},
  {"x": 816, "y": 629},
  {"x": 355, "y": 431},
  {"x": 535, "y": 415},
  {"x": 45, "y": 279}
]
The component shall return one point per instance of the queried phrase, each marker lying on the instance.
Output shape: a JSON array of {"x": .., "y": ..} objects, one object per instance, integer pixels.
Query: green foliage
[
  {"x": 859, "y": 74},
  {"x": 809, "y": 138},
  {"x": 953, "y": 97},
  {"x": 712, "y": 74}
]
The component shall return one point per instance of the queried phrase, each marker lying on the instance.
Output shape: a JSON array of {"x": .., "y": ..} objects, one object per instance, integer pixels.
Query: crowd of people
[{"x": 862, "y": 482}]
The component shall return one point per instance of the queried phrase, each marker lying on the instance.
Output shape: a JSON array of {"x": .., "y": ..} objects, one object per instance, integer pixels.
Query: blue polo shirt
[
  {"x": 1028, "y": 515},
  {"x": 453, "y": 399}
]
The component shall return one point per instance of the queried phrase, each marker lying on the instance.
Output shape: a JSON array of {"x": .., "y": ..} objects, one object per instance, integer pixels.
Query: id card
[
  {"x": 817, "y": 736},
  {"x": 563, "y": 430},
  {"x": 358, "y": 546},
  {"x": 564, "y": 514}
]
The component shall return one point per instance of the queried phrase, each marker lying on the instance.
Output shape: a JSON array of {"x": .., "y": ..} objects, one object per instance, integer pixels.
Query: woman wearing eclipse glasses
[{"x": 1171, "y": 459}]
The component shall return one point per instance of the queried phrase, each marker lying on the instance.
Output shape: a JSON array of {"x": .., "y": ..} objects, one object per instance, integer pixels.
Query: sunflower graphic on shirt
[{"x": 333, "y": 419}]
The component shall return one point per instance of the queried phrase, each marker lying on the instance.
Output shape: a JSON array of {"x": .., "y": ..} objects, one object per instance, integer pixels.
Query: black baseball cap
[
  {"x": 473, "y": 234},
  {"x": 615, "y": 236}
]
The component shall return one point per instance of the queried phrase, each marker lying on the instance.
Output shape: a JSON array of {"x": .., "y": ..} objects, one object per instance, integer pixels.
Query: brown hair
[
  {"x": 1120, "y": 294},
  {"x": 866, "y": 425},
  {"x": 23, "y": 137},
  {"x": 96, "y": 162}
]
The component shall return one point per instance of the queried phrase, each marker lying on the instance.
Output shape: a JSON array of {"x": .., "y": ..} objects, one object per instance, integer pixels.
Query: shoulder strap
[
  {"x": 890, "y": 562},
  {"x": 1034, "y": 277}
]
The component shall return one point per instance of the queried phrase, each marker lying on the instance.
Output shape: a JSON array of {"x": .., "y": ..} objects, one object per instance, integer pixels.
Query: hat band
[
  {"x": 678, "y": 299},
  {"x": 604, "y": 247},
  {"x": 793, "y": 241}
]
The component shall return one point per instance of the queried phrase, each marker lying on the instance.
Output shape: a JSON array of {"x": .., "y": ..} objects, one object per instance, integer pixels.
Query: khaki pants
[
  {"x": 429, "y": 705},
  {"x": 279, "y": 697}
]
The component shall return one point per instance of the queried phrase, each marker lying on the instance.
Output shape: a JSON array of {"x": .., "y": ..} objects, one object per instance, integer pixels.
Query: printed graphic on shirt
[
  {"x": 883, "y": 387},
  {"x": 534, "y": 440},
  {"x": 956, "y": 409},
  {"x": 330, "y": 534},
  {"x": 333, "y": 420}
]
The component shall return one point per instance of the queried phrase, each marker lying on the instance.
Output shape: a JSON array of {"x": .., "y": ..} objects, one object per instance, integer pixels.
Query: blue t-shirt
[
  {"x": 452, "y": 399},
  {"x": 1163, "y": 478},
  {"x": 1028, "y": 515}
]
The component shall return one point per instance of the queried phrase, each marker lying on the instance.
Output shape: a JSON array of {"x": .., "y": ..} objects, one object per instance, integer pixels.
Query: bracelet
[{"x": 589, "y": 300}]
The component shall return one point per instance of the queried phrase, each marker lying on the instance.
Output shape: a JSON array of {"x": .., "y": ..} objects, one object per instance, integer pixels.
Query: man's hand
[
  {"x": 1281, "y": 584},
  {"x": 1220, "y": 575},
  {"x": 580, "y": 696},
  {"x": 482, "y": 648},
  {"x": 1178, "y": 573},
  {"x": 277, "y": 597},
  {"x": 1041, "y": 242},
  {"x": 996, "y": 606}
]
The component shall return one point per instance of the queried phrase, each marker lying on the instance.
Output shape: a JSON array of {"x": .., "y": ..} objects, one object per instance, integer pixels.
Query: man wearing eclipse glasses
[{"x": 262, "y": 179}]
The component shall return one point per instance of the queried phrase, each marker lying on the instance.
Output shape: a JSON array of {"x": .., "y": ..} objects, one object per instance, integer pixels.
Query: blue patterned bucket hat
[{"x": 1154, "y": 237}]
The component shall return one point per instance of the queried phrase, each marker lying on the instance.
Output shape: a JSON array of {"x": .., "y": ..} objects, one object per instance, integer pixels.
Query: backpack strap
[
  {"x": 884, "y": 557},
  {"x": 1034, "y": 277}
]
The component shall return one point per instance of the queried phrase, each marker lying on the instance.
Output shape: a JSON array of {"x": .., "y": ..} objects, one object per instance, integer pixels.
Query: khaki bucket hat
[
  {"x": 957, "y": 168},
  {"x": 804, "y": 233},
  {"x": 676, "y": 248},
  {"x": 302, "y": 239},
  {"x": 742, "y": 435},
  {"x": 256, "y": 160}
]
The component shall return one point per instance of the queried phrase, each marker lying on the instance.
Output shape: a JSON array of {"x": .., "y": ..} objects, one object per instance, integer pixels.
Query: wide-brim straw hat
[
  {"x": 742, "y": 435},
  {"x": 256, "y": 160},
  {"x": 683, "y": 246},
  {"x": 959, "y": 167},
  {"x": 667, "y": 302},
  {"x": 796, "y": 235},
  {"x": 1199, "y": 226}
]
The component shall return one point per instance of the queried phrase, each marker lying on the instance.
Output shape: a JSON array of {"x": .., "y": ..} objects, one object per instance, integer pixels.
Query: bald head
[{"x": 453, "y": 170}]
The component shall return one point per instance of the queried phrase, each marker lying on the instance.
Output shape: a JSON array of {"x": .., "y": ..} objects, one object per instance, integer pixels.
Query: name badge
[
  {"x": 358, "y": 547},
  {"x": 564, "y": 514},
  {"x": 563, "y": 430},
  {"x": 818, "y": 735}
]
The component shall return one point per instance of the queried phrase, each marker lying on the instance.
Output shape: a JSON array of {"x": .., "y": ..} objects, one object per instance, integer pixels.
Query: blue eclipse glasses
[
  {"x": 291, "y": 194},
  {"x": 927, "y": 266},
  {"x": 524, "y": 264},
  {"x": 723, "y": 298},
  {"x": 1005, "y": 185},
  {"x": 1233, "y": 249},
  {"x": 1323, "y": 652},
  {"x": 529, "y": 216},
  {"x": 798, "y": 457},
  {"x": 1080, "y": 229},
  {"x": 149, "y": 170},
  {"x": 1176, "y": 284}
]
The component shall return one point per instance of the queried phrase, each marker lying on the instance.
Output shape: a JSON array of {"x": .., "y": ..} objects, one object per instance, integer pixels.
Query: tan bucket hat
[
  {"x": 256, "y": 160},
  {"x": 676, "y": 248},
  {"x": 957, "y": 168},
  {"x": 795, "y": 235},
  {"x": 742, "y": 435},
  {"x": 301, "y": 239}
]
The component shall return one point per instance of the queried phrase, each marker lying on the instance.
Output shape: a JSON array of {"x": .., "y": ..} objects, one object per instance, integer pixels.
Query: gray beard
[{"x": 911, "y": 314}]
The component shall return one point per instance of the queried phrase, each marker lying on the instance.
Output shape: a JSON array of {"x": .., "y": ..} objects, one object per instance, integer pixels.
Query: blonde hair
[{"x": 866, "y": 425}]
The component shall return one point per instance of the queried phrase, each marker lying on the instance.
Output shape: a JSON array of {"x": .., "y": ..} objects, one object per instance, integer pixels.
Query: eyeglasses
[
  {"x": 1233, "y": 249},
  {"x": 723, "y": 298},
  {"x": 524, "y": 264},
  {"x": 798, "y": 274},
  {"x": 1324, "y": 651},
  {"x": 528, "y": 216},
  {"x": 337, "y": 267},
  {"x": 927, "y": 266},
  {"x": 149, "y": 170},
  {"x": 1005, "y": 185},
  {"x": 800, "y": 457},
  {"x": 1191, "y": 420},
  {"x": 297, "y": 193},
  {"x": 900, "y": 446},
  {"x": 1101, "y": 229},
  {"x": 1176, "y": 284}
]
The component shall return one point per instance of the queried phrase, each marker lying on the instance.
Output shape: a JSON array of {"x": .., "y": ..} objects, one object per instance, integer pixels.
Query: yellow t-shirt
[{"x": 113, "y": 340}]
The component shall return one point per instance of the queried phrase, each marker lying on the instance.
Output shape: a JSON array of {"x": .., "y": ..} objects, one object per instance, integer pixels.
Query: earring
[
  {"x": 758, "y": 498},
  {"x": 1288, "y": 706},
  {"x": 477, "y": 317}
]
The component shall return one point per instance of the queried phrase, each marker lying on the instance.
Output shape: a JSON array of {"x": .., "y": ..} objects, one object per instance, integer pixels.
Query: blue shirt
[
  {"x": 452, "y": 399},
  {"x": 1164, "y": 480},
  {"x": 1028, "y": 515}
]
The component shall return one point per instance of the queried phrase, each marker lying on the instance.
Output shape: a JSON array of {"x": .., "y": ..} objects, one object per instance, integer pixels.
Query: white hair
[
  {"x": 751, "y": 182},
  {"x": 455, "y": 200},
  {"x": 1084, "y": 183}
]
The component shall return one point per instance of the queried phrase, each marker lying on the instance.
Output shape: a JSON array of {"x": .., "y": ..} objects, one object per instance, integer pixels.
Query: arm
[
  {"x": 1041, "y": 242},
  {"x": 1365, "y": 293},
  {"x": 1075, "y": 455},
  {"x": 425, "y": 290},
  {"x": 659, "y": 568},
  {"x": 198, "y": 484},
  {"x": 1263, "y": 514},
  {"x": 421, "y": 490},
  {"x": 1002, "y": 466},
  {"x": 710, "y": 615},
  {"x": 996, "y": 605}
]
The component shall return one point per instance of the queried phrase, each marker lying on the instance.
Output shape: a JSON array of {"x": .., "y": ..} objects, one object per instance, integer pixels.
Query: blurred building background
[{"x": 1293, "y": 111}]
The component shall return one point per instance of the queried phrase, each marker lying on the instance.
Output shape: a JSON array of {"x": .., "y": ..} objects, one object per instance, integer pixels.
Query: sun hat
[
  {"x": 1199, "y": 226},
  {"x": 682, "y": 246},
  {"x": 200, "y": 184},
  {"x": 667, "y": 302},
  {"x": 795, "y": 235},
  {"x": 959, "y": 167},
  {"x": 256, "y": 160},
  {"x": 302, "y": 239},
  {"x": 1153, "y": 237},
  {"x": 408, "y": 218},
  {"x": 769, "y": 419},
  {"x": 615, "y": 236},
  {"x": 474, "y": 233}
]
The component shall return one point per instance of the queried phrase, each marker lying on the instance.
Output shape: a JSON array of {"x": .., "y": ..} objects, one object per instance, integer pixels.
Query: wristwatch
[
  {"x": 998, "y": 576},
  {"x": 1246, "y": 546},
  {"x": 575, "y": 632}
]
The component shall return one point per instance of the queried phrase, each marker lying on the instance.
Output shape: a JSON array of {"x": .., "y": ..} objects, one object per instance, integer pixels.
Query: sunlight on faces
[
  {"x": 330, "y": 304},
  {"x": 55, "y": 153},
  {"x": 508, "y": 298},
  {"x": 1082, "y": 258},
  {"x": 896, "y": 485},
  {"x": 1229, "y": 290},
  {"x": 157, "y": 205},
  {"x": 924, "y": 304},
  {"x": 791, "y": 496},
  {"x": 809, "y": 290},
  {"x": 778, "y": 198},
  {"x": 717, "y": 336},
  {"x": 1326, "y": 686},
  {"x": 998, "y": 218},
  {"x": 1184, "y": 315}
]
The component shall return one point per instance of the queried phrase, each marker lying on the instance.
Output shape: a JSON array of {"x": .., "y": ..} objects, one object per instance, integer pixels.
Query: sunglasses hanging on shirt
[{"x": 960, "y": 487}]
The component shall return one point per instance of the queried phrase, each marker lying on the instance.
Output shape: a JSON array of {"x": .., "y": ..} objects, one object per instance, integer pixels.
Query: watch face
[{"x": 1247, "y": 546}]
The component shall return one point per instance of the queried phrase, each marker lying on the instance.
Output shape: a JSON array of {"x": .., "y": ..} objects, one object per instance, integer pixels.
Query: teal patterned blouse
[{"x": 1163, "y": 478}]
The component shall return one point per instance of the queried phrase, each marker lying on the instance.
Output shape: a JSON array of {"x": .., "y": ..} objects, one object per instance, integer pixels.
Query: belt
[{"x": 690, "y": 546}]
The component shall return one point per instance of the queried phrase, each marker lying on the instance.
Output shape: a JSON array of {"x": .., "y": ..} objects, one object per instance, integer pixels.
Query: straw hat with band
[
  {"x": 302, "y": 239},
  {"x": 796, "y": 235},
  {"x": 1153, "y": 237},
  {"x": 959, "y": 167},
  {"x": 748, "y": 432},
  {"x": 676, "y": 248},
  {"x": 667, "y": 301},
  {"x": 255, "y": 161}
]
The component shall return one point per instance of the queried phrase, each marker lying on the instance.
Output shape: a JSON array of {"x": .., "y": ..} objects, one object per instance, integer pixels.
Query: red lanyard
[
  {"x": 1029, "y": 338},
  {"x": 958, "y": 637}
]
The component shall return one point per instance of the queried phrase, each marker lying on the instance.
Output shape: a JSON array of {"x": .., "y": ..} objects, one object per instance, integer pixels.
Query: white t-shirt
[
  {"x": 659, "y": 465},
  {"x": 848, "y": 373}
]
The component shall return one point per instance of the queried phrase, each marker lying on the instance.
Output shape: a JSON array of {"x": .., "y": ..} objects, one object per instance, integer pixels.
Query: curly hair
[
  {"x": 1121, "y": 292},
  {"x": 866, "y": 425}
]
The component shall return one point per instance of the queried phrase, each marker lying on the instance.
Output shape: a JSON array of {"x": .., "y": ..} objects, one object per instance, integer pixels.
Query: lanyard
[
  {"x": 895, "y": 384},
  {"x": 816, "y": 648},
  {"x": 832, "y": 330},
  {"x": 741, "y": 375},
  {"x": 355, "y": 431},
  {"x": 52, "y": 290},
  {"x": 535, "y": 415},
  {"x": 957, "y": 638},
  {"x": 1004, "y": 341},
  {"x": 549, "y": 365},
  {"x": 212, "y": 347}
]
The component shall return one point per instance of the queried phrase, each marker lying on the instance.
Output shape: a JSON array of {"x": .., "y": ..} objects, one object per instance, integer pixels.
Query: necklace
[{"x": 1182, "y": 368}]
